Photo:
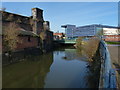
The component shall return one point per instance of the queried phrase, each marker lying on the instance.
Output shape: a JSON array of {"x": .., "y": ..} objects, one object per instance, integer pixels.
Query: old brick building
[{"x": 29, "y": 28}]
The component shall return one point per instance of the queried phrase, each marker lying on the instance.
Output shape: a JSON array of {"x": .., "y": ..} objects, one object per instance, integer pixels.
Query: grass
[{"x": 112, "y": 42}]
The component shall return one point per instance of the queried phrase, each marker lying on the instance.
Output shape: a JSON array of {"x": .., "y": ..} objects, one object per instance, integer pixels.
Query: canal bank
[{"x": 62, "y": 68}]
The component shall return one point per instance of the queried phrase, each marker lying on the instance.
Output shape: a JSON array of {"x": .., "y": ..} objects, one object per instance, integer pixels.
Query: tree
[{"x": 10, "y": 37}]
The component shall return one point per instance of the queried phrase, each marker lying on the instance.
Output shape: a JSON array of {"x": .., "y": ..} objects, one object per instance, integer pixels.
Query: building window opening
[{"x": 29, "y": 40}]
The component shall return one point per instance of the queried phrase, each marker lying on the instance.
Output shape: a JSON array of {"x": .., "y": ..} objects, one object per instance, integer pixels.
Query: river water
[{"x": 62, "y": 68}]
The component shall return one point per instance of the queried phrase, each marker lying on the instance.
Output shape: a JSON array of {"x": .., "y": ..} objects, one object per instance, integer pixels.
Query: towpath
[{"x": 115, "y": 59}]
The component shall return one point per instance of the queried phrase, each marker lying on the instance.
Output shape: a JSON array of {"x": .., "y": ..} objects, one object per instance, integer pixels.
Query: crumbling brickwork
[{"x": 32, "y": 24}]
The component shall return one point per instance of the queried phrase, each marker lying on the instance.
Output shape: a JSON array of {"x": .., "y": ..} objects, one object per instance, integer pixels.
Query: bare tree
[
  {"x": 88, "y": 48},
  {"x": 10, "y": 37},
  {"x": 91, "y": 47}
]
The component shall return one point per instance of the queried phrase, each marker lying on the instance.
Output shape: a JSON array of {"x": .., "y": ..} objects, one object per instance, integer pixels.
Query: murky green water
[{"x": 63, "y": 68}]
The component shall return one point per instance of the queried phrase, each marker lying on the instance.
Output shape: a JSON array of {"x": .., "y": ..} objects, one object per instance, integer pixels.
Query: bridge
[{"x": 66, "y": 41}]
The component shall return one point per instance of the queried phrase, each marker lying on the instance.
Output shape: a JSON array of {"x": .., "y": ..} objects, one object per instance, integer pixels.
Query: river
[{"x": 61, "y": 68}]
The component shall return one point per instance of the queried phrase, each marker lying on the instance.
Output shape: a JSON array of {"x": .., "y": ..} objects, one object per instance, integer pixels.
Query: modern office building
[
  {"x": 72, "y": 31},
  {"x": 69, "y": 30}
]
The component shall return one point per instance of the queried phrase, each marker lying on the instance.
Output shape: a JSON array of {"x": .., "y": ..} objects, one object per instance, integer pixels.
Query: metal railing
[{"x": 107, "y": 73}]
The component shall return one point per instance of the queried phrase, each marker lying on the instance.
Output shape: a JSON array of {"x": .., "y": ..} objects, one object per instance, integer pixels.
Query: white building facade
[{"x": 111, "y": 31}]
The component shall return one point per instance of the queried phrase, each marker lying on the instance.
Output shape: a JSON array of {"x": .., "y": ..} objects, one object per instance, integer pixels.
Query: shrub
[
  {"x": 79, "y": 43},
  {"x": 10, "y": 37},
  {"x": 43, "y": 35},
  {"x": 91, "y": 47},
  {"x": 87, "y": 48}
]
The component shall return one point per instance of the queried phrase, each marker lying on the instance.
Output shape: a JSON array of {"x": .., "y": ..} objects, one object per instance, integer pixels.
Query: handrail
[{"x": 107, "y": 74}]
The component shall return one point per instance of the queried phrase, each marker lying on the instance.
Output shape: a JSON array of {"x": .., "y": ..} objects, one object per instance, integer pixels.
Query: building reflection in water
[
  {"x": 29, "y": 73},
  {"x": 67, "y": 70}
]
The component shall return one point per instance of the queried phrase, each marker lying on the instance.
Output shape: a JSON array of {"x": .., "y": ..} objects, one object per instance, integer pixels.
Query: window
[{"x": 29, "y": 39}]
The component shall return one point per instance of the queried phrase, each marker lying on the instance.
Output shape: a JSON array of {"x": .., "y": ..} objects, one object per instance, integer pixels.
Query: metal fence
[{"x": 107, "y": 73}]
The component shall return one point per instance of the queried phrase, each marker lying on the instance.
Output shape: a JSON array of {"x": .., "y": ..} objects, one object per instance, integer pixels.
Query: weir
[{"x": 107, "y": 73}]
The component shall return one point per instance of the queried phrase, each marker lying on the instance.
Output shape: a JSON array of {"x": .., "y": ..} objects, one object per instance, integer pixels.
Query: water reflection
[
  {"x": 30, "y": 73},
  {"x": 74, "y": 54},
  {"x": 63, "y": 68},
  {"x": 69, "y": 72}
]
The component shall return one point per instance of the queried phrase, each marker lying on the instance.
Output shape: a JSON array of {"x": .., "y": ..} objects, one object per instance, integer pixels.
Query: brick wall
[
  {"x": 48, "y": 42},
  {"x": 32, "y": 42}
]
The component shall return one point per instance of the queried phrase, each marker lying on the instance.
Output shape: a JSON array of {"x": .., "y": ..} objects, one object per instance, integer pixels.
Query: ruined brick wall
[
  {"x": 33, "y": 23},
  {"x": 46, "y": 25},
  {"x": 6, "y": 16},
  {"x": 37, "y": 20},
  {"x": 49, "y": 40},
  {"x": 40, "y": 27},
  {"x": 22, "y": 21},
  {"x": 112, "y": 37},
  {"x": 37, "y": 27},
  {"x": 25, "y": 43}
]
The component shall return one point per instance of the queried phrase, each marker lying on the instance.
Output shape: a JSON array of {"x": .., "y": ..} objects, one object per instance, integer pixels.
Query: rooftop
[
  {"x": 97, "y": 25},
  {"x": 13, "y": 14}
]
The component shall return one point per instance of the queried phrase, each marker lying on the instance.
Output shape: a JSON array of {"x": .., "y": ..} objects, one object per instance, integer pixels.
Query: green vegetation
[{"x": 113, "y": 42}]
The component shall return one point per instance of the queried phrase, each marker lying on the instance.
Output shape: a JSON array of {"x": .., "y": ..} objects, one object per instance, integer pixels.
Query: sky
[{"x": 75, "y": 13}]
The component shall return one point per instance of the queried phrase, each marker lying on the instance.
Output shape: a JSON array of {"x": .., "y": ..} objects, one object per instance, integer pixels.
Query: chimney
[{"x": 37, "y": 20}]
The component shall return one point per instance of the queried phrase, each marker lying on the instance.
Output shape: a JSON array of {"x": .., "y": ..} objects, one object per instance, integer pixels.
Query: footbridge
[{"x": 66, "y": 41}]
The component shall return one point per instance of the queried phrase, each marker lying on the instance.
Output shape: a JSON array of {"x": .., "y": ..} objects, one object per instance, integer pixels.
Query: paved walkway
[{"x": 114, "y": 54}]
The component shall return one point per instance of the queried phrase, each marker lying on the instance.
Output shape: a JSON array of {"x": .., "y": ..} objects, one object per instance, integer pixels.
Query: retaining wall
[{"x": 107, "y": 73}]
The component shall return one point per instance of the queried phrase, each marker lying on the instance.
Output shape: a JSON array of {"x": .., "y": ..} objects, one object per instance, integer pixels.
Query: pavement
[{"x": 114, "y": 55}]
